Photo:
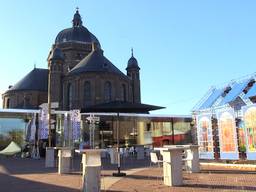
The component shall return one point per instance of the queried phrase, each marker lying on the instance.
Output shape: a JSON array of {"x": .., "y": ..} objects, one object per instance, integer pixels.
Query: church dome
[{"x": 77, "y": 33}]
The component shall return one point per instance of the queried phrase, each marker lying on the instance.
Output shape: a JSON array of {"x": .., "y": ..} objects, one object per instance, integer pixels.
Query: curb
[{"x": 241, "y": 167}]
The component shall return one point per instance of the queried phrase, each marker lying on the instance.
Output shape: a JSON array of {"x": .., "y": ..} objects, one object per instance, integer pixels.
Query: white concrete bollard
[
  {"x": 64, "y": 163},
  {"x": 91, "y": 161},
  {"x": 49, "y": 157},
  {"x": 172, "y": 166}
]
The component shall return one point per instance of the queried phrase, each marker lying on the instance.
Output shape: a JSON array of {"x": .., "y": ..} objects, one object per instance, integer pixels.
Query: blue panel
[
  {"x": 216, "y": 93},
  {"x": 251, "y": 155},
  {"x": 234, "y": 92},
  {"x": 233, "y": 156},
  {"x": 251, "y": 92},
  {"x": 206, "y": 155}
]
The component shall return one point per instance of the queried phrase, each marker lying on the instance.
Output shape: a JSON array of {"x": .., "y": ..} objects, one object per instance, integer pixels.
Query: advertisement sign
[
  {"x": 204, "y": 134},
  {"x": 249, "y": 116},
  {"x": 227, "y": 134}
]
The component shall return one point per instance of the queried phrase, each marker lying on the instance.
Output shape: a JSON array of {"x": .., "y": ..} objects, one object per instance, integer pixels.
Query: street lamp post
[
  {"x": 118, "y": 173},
  {"x": 49, "y": 156},
  {"x": 49, "y": 108}
]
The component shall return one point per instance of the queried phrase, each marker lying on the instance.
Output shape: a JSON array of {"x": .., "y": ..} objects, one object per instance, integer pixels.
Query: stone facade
[
  {"x": 80, "y": 75},
  {"x": 24, "y": 99}
]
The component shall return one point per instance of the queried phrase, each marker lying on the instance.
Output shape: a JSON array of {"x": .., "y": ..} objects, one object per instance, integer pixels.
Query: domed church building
[{"x": 80, "y": 75}]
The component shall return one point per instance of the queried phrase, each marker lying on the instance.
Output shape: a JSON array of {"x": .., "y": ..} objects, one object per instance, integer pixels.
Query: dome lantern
[
  {"x": 77, "y": 20},
  {"x": 77, "y": 33}
]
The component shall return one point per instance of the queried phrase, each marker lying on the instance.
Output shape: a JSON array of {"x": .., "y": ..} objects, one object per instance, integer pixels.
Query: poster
[
  {"x": 227, "y": 134},
  {"x": 204, "y": 134},
  {"x": 249, "y": 116}
]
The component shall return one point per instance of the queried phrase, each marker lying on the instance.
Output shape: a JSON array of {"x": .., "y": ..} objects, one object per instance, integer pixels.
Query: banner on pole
[
  {"x": 227, "y": 134},
  {"x": 76, "y": 124},
  {"x": 204, "y": 135},
  {"x": 33, "y": 128},
  {"x": 43, "y": 123},
  {"x": 28, "y": 130}
]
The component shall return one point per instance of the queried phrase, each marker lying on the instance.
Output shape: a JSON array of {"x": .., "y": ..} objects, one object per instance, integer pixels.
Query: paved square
[{"x": 30, "y": 175}]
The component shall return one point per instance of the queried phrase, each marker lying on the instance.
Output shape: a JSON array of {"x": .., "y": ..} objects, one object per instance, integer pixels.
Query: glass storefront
[
  {"x": 13, "y": 127},
  {"x": 108, "y": 131}
]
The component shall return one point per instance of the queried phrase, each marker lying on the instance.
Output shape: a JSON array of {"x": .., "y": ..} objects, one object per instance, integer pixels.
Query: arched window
[
  {"x": 107, "y": 91},
  {"x": 123, "y": 92},
  {"x": 8, "y": 103},
  {"x": 87, "y": 92},
  {"x": 70, "y": 96}
]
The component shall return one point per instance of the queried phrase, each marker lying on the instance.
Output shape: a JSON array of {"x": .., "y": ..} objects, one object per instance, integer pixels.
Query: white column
[
  {"x": 91, "y": 161},
  {"x": 172, "y": 166},
  {"x": 64, "y": 163},
  {"x": 49, "y": 157},
  {"x": 113, "y": 155}
]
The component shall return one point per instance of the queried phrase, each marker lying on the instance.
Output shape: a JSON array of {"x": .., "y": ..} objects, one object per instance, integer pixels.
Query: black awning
[{"x": 121, "y": 107}]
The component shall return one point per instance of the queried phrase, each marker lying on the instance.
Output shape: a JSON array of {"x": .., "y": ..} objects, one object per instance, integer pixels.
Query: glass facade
[
  {"x": 227, "y": 132},
  {"x": 108, "y": 131},
  {"x": 12, "y": 129},
  {"x": 205, "y": 139}
]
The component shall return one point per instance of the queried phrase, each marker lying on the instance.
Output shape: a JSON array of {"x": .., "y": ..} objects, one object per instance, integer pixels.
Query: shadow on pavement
[
  {"x": 17, "y": 184},
  {"x": 24, "y": 166}
]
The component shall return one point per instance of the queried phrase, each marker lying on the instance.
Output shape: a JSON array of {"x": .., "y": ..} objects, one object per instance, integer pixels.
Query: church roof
[
  {"x": 95, "y": 62},
  {"x": 36, "y": 80},
  {"x": 77, "y": 33},
  {"x": 121, "y": 107}
]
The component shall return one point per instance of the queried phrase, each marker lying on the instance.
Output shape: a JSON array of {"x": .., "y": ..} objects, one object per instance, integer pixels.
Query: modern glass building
[
  {"x": 13, "y": 126},
  {"x": 107, "y": 130}
]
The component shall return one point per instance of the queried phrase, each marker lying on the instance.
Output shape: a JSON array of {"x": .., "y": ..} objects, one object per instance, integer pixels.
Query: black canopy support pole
[
  {"x": 173, "y": 142},
  {"x": 119, "y": 173}
]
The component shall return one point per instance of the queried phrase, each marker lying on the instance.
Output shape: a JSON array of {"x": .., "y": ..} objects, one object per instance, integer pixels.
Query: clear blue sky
[{"x": 183, "y": 47}]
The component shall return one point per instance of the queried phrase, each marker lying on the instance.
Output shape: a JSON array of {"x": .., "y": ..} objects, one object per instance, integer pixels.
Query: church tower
[
  {"x": 133, "y": 71},
  {"x": 55, "y": 64}
]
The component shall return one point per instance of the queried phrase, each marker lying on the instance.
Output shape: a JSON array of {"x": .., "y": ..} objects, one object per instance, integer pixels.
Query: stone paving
[
  {"x": 30, "y": 175},
  {"x": 147, "y": 181}
]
